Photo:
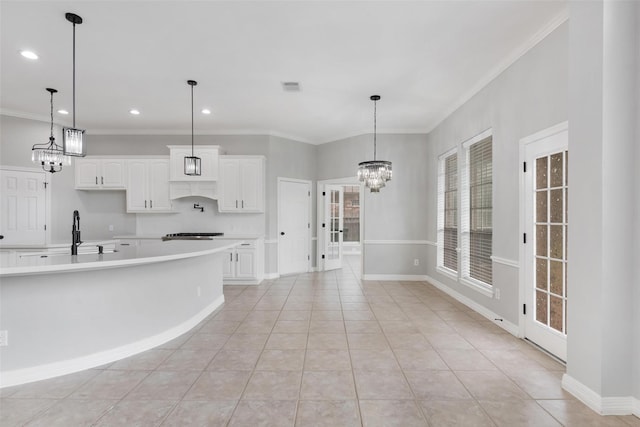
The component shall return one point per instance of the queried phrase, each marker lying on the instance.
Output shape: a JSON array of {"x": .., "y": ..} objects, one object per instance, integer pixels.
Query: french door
[
  {"x": 545, "y": 254},
  {"x": 333, "y": 226}
]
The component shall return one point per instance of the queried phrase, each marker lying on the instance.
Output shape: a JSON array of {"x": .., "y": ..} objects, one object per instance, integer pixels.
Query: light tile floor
[{"x": 322, "y": 349}]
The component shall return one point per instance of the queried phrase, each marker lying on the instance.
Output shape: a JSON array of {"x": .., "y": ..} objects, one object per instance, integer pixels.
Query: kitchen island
[{"x": 68, "y": 313}]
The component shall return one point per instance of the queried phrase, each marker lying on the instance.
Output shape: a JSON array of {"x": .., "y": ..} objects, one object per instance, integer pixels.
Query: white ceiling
[{"x": 423, "y": 57}]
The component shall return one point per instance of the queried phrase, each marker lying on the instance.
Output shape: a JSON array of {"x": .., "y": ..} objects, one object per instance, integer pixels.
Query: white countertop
[
  {"x": 146, "y": 252},
  {"x": 233, "y": 236},
  {"x": 56, "y": 245}
]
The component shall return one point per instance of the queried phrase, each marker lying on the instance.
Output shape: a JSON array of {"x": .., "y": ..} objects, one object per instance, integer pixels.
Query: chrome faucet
[{"x": 75, "y": 233}]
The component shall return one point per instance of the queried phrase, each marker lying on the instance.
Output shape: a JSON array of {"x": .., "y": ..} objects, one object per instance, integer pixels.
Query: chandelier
[
  {"x": 192, "y": 163},
  {"x": 50, "y": 155},
  {"x": 374, "y": 173}
]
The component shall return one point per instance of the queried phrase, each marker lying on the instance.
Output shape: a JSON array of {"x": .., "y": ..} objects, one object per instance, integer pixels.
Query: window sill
[{"x": 476, "y": 285}]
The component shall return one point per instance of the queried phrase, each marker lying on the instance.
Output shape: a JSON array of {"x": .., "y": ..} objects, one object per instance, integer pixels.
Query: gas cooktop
[{"x": 191, "y": 236}]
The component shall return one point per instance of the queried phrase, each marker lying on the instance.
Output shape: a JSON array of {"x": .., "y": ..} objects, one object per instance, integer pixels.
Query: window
[
  {"x": 477, "y": 210},
  {"x": 448, "y": 212},
  {"x": 351, "y": 214}
]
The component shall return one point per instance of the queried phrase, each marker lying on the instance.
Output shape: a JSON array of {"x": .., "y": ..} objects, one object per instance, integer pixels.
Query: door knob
[{"x": 282, "y": 233}]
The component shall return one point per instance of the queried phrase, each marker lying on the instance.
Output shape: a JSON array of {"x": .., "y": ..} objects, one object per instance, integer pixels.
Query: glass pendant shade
[
  {"x": 73, "y": 142},
  {"x": 374, "y": 173},
  {"x": 50, "y": 156},
  {"x": 192, "y": 166}
]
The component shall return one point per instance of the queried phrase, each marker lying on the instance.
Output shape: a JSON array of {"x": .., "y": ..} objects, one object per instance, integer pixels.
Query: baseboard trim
[
  {"x": 395, "y": 277},
  {"x": 271, "y": 276},
  {"x": 623, "y": 405},
  {"x": 51, "y": 370},
  {"x": 398, "y": 242},
  {"x": 512, "y": 328}
]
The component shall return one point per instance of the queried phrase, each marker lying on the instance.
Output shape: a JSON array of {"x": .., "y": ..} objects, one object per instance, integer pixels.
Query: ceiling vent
[{"x": 291, "y": 86}]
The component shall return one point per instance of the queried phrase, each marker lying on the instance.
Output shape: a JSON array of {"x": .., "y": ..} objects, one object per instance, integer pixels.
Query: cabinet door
[
  {"x": 229, "y": 200},
  {"x": 251, "y": 185},
  {"x": 246, "y": 264},
  {"x": 177, "y": 164},
  {"x": 112, "y": 175},
  {"x": 227, "y": 264},
  {"x": 137, "y": 186},
  {"x": 159, "y": 185},
  {"x": 209, "y": 162},
  {"x": 87, "y": 172}
]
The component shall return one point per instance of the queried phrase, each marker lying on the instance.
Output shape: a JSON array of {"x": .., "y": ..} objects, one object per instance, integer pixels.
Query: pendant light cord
[
  {"x": 374, "y": 128},
  {"x": 74, "y": 75},
  {"x": 51, "y": 137},
  {"x": 192, "y": 121}
]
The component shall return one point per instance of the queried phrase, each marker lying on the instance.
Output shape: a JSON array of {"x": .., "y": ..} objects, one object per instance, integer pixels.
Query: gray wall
[
  {"x": 603, "y": 144},
  {"x": 529, "y": 96},
  {"x": 636, "y": 191},
  {"x": 287, "y": 159},
  {"x": 398, "y": 211}
]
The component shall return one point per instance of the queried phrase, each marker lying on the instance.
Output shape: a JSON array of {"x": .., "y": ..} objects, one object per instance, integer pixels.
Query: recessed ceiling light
[
  {"x": 206, "y": 111},
  {"x": 28, "y": 54},
  {"x": 65, "y": 112},
  {"x": 134, "y": 112}
]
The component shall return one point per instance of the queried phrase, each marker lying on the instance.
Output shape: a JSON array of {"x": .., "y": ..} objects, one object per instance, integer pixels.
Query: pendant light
[
  {"x": 374, "y": 173},
  {"x": 50, "y": 155},
  {"x": 73, "y": 142},
  {"x": 192, "y": 163}
]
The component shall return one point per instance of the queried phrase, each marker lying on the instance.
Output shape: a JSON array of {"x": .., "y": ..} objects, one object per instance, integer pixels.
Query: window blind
[
  {"x": 477, "y": 212},
  {"x": 448, "y": 211}
]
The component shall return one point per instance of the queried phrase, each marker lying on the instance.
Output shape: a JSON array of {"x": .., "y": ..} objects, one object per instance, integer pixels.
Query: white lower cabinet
[
  {"x": 244, "y": 264},
  {"x": 148, "y": 186}
]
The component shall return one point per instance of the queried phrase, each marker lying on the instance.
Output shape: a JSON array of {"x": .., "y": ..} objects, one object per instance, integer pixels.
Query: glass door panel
[{"x": 334, "y": 217}]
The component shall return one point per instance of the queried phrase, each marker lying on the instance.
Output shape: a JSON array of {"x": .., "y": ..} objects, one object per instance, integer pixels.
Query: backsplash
[{"x": 188, "y": 219}]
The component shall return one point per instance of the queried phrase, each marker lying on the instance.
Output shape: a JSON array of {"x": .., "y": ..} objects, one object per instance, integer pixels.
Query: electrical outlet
[
  {"x": 496, "y": 293},
  {"x": 416, "y": 261},
  {"x": 4, "y": 338},
  {"x": 111, "y": 227}
]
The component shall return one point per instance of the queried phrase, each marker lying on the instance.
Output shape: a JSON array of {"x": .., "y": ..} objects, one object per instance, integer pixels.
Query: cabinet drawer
[{"x": 247, "y": 245}]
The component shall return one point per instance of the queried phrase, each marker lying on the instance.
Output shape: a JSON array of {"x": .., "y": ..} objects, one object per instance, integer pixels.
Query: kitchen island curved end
[{"x": 66, "y": 313}]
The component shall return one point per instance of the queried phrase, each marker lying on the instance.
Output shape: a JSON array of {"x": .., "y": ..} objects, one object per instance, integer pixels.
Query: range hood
[{"x": 208, "y": 189}]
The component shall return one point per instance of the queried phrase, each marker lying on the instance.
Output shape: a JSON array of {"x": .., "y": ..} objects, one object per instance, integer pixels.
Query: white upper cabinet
[
  {"x": 148, "y": 186},
  {"x": 242, "y": 184},
  {"x": 209, "y": 162},
  {"x": 94, "y": 173}
]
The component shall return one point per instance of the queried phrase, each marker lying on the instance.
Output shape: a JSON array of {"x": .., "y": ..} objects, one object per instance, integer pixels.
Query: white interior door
[
  {"x": 294, "y": 226},
  {"x": 22, "y": 207},
  {"x": 546, "y": 223},
  {"x": 333, "y": 226}
]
